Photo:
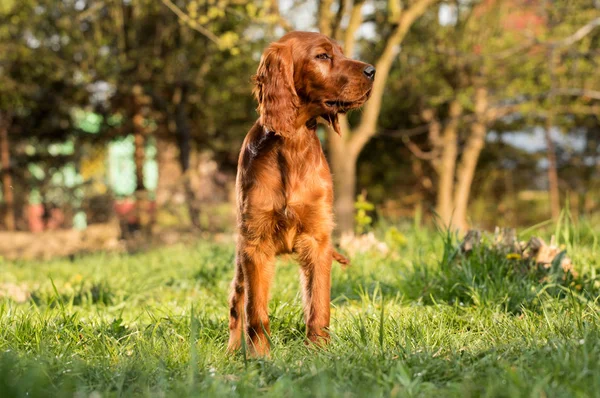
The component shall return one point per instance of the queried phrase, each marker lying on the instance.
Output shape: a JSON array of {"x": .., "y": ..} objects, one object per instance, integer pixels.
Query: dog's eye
[{"x": 323, "y": 56}]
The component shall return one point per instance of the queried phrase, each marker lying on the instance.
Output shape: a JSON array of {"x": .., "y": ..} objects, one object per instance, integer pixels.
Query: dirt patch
[
  {"x": 61, "y": 243},
  {"x": 17, "y": 293}
]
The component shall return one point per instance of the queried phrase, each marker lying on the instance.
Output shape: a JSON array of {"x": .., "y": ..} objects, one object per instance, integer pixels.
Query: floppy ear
[{"x": 275, "y": 91}]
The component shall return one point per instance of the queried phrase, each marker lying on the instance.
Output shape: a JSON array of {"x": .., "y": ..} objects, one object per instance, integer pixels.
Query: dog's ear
[{"x": 275, "y": 91}]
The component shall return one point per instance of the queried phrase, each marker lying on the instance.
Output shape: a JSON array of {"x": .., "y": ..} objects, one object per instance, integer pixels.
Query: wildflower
[{"x": 513, "y": 256}]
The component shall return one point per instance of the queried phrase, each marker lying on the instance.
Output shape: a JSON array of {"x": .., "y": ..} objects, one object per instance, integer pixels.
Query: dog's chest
[
  {"x": 304, "y": 180},
  {"x": 289, "y": 192},
  {"x": 305, "y": 207}
]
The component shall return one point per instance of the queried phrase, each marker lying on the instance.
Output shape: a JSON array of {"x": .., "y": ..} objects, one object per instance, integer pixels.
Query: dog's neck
[
  {"x": 297, "y": 143},
  {"x": 311, "y": 124},
  {"x": 307, "y": 116}
]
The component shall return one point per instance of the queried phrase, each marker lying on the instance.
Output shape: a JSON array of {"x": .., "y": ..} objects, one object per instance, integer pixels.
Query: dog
[{"x": 284, "y": 187}]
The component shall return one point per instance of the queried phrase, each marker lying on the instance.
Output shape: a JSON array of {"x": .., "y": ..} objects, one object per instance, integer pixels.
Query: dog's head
[{"x": 306, "y": 73}]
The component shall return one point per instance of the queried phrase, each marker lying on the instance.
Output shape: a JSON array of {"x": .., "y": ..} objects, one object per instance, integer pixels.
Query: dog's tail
[{"x": 344, "y": 262}]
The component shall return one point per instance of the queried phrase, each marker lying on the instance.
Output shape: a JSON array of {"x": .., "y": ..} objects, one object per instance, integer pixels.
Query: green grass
[{"x": 422, "y": 320}]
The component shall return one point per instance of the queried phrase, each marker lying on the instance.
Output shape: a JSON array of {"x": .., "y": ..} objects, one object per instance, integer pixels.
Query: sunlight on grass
[{"x": 420, "y": 320}]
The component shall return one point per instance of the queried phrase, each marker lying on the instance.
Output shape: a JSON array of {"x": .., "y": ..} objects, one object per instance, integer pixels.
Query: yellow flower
[{"x": 513, "y": 256}]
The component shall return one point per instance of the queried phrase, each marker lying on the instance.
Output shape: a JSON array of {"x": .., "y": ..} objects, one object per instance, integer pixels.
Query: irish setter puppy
[{"x": 284, "y": 187}]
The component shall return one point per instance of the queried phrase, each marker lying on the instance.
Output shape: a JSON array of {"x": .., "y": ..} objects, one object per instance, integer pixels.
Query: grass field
[{"x": 422, "y": 320}]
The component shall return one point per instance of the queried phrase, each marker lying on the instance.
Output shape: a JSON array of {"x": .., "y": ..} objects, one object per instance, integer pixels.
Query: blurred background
[{"x": 121, "y": 120}]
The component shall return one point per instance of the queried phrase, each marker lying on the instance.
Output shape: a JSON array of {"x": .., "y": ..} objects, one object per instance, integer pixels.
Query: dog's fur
[{"x": 284, "y": 187}]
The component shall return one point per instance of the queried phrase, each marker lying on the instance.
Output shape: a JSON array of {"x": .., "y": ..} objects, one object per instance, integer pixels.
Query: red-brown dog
[{"x": 284, "y": 187}]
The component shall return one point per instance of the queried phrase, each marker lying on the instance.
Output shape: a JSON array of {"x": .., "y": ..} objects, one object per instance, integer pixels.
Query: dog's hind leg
[{"x": 236, "y": 307}]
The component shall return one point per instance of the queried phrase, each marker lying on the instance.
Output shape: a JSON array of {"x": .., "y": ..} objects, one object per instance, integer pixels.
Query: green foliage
[
  {"x": 490, "y": 278},
  {"x": 193, "y": 65},
  {"x": 363, "y": 207},
  {"x": 421, "y": 321},
  {"x": 394, "y": 237}
]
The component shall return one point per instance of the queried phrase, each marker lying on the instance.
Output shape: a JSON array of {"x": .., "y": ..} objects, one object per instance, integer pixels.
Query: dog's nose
[{"x": 369, "y": 72}]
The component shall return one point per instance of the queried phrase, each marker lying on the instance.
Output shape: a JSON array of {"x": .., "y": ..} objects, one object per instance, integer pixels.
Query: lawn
[{"x": 421, "y": 320}]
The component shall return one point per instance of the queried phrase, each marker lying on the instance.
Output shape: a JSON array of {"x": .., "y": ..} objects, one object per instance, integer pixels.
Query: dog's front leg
[
  {"x": 315, "y": 257},
  {"x": 258, "y": 264}
]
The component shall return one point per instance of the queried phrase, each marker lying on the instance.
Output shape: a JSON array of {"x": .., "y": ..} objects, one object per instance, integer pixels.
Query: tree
[
  {"x": 577, "y": 50},
  {"x": 460, "y": 57},
  {"x": 186, "y": 58},
  {"x": 7, "y": 193},
  {"x": 39, "y": 86},
  {"x": 344, "y": 150}
]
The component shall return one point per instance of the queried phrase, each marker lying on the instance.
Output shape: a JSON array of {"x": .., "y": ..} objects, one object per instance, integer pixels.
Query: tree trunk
[
  {"x": 7, "y": 193},
  {"x": 345, "y": 192},
  {"x": 183, "y": 140},
  {"x": 553, "y": 190},
  {"x": 325, "y": 17},
  {"x": 469, "y": 159},
  {"x": 511, "y": 198},
  {"x": 447, "y": 166},
  {"x": 139, "y": 136},
  {"x": 343, "y": 167},
  {"x": 169, "y": 168},
  {"x": 139, "y": 154}
]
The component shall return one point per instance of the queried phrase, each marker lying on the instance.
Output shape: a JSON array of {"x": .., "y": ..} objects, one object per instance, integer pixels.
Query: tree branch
[
  {"x": 367, "y": 127},
  {"x": 418, "y": 152},
  {"x": 281, "y": 21},
  {"x": 324, "y": 17},
  {"x": 503, "y": 54},
  {"x": 92, "y": 9},
  {"x": 530, "y": 99},
  {"x": 581, "y": 110},
  {"x": 532, "y": 41},
  {"x": 353, "y": 25},
  {"x": 578, "y": 35},
  {"x": 191, "y": 23},
  {"x": 578, "y": 92},
  {"x": 406, "y": 132},
  {"x": 336, "y": 30}
]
